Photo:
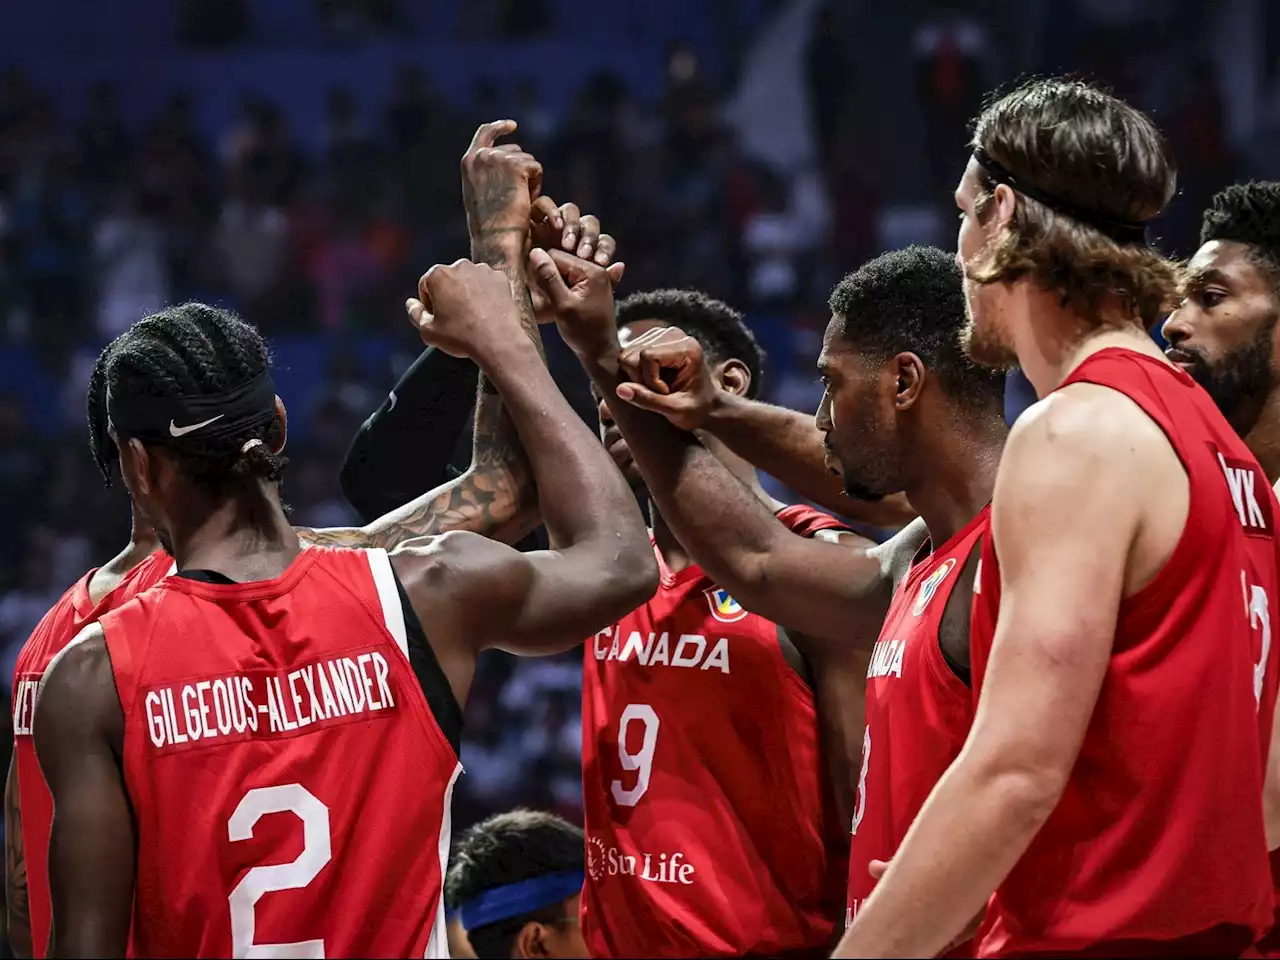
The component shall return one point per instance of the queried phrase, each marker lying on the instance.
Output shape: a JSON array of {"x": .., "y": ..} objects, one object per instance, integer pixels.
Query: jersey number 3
[
  {"x": 642, "y": 760},
  {"x": 316, "y": 851}
]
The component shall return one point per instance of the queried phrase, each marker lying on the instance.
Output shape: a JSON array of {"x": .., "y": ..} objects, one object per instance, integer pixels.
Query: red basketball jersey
[
  {"x": 72, "y": 613},
  {"x": 710, "y": 827},
  {"x": 1157, "y": 846},
  {"x": 288, "y": 777},
  {"x": 918, "y": 711}
]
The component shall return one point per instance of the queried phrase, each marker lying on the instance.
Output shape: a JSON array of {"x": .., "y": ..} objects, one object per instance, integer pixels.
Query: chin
[{"x": 986, "y": 347}]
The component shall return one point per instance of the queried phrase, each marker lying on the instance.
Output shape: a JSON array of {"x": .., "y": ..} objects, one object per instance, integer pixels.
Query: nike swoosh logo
[
  {"x": 392, "y": 404},
  {"x": 177, "y": 431}
]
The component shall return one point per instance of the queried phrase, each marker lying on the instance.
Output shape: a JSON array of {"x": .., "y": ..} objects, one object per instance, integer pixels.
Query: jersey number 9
[{"x": 642, "y": 760}]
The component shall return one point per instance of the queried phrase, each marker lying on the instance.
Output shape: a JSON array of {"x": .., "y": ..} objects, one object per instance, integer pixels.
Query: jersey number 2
[
  {"x": 642, "y": 760},
  {"x": 1255, "y": 599},
  {"x": 316, "y": 851}
]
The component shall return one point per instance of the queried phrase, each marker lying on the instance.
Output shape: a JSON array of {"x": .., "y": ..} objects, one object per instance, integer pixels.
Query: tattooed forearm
[{"x": 15, "y": 867}]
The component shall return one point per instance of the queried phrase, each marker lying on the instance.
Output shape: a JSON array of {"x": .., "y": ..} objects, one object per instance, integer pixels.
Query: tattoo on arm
[
  {"x": 493, "y": 498},
  {"x": 15, "y": 865}
]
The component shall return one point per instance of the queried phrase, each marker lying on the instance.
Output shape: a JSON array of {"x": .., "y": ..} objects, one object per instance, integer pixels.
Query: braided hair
[{"x": 184, "y": 351}]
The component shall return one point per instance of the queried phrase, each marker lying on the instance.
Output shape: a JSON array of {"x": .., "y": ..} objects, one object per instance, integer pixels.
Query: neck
[
  {"x": 1051, "y": 340},
  {"x": 676, "y": 556},
  {"x": 247, "y": 537},
  {"x": 1263, "y": 439},
  {"x": 959, "y": 463}
]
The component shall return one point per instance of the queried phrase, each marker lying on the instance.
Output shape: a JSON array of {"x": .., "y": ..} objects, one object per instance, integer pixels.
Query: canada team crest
[
  {"x": 723, "y": 607},
  {"x": 931, "y": 585}
]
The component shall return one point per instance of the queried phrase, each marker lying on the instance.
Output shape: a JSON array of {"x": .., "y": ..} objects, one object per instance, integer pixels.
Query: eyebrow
[{"x": 1200, "y": 276}]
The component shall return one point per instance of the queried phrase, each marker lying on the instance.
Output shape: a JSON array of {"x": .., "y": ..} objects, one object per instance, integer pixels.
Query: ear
[
  {"x": 1004, "y": 208},
  {"x": 531, "y": 941},
  {"x": 909, "y": 370},
  {"x": 137, "y": 466},
  {"x": 733, "y": 376},
  {"x": 283, "y": 417}
]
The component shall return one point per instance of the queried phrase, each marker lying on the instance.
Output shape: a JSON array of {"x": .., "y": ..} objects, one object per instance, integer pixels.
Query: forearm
[
  {"x": 581, "y": 494},
  {"x": 969, "y": 835},
  {"x": 406, "y": 446},
  {"x": 785, "y": 444}
]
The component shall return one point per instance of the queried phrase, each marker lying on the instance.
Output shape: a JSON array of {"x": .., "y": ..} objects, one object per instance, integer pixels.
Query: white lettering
[
  {"x": 155, "y": 722},
  {"x": 660, "y": 653},
  {"x": 201, "y": 688},
  {"x": 381, "y": 669},
  {"x": 688, "y": 659},
  {"x": 600, "y": 651},
  {"x": 637, "y": 646},
  {"x": 362, "y": 664},
  {"x": 303, "y": 719},
  {"x": 190, "y": 713},
  {"x": 221, "y": 707},
  {"x": 719, "y": 658}
]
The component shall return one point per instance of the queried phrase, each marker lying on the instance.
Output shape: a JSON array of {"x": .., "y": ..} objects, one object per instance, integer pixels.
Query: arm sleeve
[{"x": 406, "y": 447}]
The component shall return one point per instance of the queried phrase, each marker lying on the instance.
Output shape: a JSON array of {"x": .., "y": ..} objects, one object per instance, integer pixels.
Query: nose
[
  {"x": 1175, "y": 329},
  {"x": 822, "y": 418}
]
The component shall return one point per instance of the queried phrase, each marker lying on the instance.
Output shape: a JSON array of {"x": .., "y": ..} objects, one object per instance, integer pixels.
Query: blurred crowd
[{"x": 102, "y": 222}]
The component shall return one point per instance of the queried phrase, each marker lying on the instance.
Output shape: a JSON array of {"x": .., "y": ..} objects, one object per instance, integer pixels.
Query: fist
[
  {"x": 579, "y": 293},
  {"x": 566, "y": 228},
  {"x": 465, "y": 309},
  {"x": 499, "y": 183},
  {"x": 669, "y": 375}
]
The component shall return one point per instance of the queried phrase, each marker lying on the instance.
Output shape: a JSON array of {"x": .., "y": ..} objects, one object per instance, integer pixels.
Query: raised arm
[
  {"x": 495, "y": 497},
  {"x": 79, "y": 736},
  {"x": 15, "y": 867},
  {"x": 813, "y": 586},
  {"x": 474, "y": 593},
  {"x": 1069, "y": 470},
  {"x": 405, "y": 446},
  {"x": 784, "y": 443}
]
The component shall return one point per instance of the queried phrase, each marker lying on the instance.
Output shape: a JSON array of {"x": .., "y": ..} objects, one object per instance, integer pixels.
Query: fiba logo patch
[
  {"x": 930, "y": 586},
  {"x": 596, "y": 858},
  {"x": 723, "y": 607}
]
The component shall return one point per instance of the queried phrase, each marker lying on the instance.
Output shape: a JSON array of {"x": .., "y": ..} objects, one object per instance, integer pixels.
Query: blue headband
[{"x": 514, "y": 899}]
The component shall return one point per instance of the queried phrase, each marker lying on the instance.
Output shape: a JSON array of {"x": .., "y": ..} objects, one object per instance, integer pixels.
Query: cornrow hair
[
  {"x": 719, "y": 328},
  {"x": 187, "y": 351},
  {"x": 100, "y": 445},
  {"x": 1247, "y": 213}
]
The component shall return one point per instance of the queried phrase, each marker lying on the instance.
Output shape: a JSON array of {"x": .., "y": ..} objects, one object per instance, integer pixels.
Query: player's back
[
  {"x": 289, "y": 776},
  {"x": 74, "y": 610},
  {"x": 1158, "y": 846},
  {"x": 711, "y": 830}
]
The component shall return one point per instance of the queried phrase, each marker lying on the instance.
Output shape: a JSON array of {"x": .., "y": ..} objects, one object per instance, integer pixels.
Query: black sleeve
[{"x": 405, "y": 448}]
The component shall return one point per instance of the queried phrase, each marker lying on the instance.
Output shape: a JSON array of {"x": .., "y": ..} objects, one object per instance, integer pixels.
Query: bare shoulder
[
  {"x": 77, "y": 695},
  {"x": 435, "y": 560},
  {"x": 1084, "y": 419}
]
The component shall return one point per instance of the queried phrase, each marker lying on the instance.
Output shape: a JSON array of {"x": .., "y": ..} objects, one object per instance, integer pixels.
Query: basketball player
[
  {"x": 1121, "y": 624},
  {"x": 262, "y": 679},
  {"x": 514, "y": 880},
  {"x": 490, "y": 498},
  {"x": 1223, "y": 334},
  {"x": 903, "y": 409},
  {"x": 680, "y": 788}
]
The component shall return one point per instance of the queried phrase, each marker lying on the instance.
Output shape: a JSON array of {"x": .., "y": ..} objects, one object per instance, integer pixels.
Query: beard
[
  {"x": 985, "y": 345},
  {"x": 1240, "y": 381},
  {"x": 856, "y": 491}
]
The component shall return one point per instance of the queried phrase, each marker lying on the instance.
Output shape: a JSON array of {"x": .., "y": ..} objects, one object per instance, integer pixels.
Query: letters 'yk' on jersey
[
  {"x": 1159, "y": 835},
  {"x": 710, "y": 831},
  {"x": 290, "y": 781}
]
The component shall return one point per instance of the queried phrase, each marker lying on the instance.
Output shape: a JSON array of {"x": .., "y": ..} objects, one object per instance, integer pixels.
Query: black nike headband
[
  {"x": 1121, "y": 231},
  {"x": 214, "y": 416}
]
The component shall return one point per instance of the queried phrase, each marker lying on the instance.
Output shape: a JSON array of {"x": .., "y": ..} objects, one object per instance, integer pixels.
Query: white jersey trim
[
  {"x": 392, "y": 612},
  {"x": 438, "y": 943}
]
